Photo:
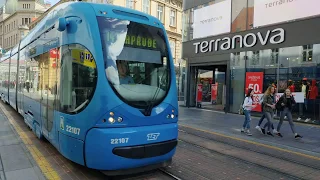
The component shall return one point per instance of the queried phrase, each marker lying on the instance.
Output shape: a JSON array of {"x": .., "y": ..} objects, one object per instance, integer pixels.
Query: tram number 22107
[
  {"x": 119, "y": 141},
  {"x": 73, "y": 130}
]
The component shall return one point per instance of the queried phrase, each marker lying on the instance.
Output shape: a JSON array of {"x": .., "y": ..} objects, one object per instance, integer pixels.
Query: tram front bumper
[{"x": 131, "y": 147}]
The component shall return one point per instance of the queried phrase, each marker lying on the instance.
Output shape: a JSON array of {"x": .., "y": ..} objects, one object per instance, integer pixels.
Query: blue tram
[{"x": 98, "y": 82}]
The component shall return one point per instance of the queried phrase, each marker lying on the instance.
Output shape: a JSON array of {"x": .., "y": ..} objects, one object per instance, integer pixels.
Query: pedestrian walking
[
  {"x": 247, "y": 107},
  {"x": 268, "y": 108},
  {"x": 264, "y": 116},
  {"x": 284, "y": 105}
]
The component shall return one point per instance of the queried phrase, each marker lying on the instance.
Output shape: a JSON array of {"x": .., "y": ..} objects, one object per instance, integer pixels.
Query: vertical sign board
[
  {"x": 254, "y": 80},
  {"x": 214, "y": 92},
  {"x": 199, "y": 95}
]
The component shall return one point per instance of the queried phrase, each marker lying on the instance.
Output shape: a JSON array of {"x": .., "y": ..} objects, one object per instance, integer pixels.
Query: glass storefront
[{"x": 296, "y": 68}]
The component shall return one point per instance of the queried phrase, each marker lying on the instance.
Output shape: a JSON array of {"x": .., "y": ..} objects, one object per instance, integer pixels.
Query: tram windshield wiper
[{"x": 148, "y": 109}]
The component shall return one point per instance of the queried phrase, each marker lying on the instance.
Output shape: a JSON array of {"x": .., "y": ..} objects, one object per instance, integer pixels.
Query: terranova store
[{"x": 233, "y": 45}]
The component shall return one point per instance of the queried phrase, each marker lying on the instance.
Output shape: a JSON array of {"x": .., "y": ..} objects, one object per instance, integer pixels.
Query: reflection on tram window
[{"x": 78, "y": 78}]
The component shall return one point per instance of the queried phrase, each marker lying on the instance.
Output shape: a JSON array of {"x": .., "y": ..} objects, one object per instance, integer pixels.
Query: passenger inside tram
[{"x": 123, "y": 71}]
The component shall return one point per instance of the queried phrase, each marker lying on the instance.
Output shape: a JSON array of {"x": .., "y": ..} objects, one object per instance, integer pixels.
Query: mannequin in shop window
[
  {"x": 312, "y": 96},
  {"x": 303, "y": 107}
]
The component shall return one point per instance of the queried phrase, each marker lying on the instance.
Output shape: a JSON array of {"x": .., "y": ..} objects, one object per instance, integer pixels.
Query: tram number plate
[
  {"x": 119, "y": 141},
  {"x": 73, "y": 130}
]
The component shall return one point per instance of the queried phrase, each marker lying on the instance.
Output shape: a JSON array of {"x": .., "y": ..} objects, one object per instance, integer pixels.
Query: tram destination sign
[{"x": 275, "y": 36}]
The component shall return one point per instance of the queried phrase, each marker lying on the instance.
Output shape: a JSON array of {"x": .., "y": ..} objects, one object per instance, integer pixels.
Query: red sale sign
[
  {"x": 254, "y": 80},
  {"x": 214, "y": 91},
  {"x": 199, "y": 93}
]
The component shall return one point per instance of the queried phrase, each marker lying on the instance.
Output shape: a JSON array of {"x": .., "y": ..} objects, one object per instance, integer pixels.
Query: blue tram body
[{"x": 98, "y": 82}]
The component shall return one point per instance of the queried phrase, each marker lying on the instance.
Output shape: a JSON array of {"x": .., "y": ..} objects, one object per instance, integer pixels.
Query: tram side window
[
  {"x": 78, "y": 78},
  {"x": 32, "y": 79},
  {"x": 4, "y": 73}
]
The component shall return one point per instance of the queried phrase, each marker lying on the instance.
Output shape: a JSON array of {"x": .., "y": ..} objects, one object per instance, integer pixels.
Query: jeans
[
  {"x": 269, "y": 116},
  {"x": 261, "y": 119},
  {"x": 286, "y": 112},
  {"x": 247, "y": 119}
]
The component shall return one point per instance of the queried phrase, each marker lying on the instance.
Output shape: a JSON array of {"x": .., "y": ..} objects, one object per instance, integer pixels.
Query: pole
[{"x": 179, "y": 83}]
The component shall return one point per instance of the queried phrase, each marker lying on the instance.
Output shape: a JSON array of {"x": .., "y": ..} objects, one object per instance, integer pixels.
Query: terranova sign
[{"x": 275, "y": 36}]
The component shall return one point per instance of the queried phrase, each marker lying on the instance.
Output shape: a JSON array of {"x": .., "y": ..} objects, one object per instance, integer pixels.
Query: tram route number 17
[{"x": 255, "y": 87}]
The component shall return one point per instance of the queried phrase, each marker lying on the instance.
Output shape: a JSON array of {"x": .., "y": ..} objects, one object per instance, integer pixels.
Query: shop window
[
  {"x": 307, "y": 53},
  {"x": 255, "y": 59},
  {"x": 274, "y": 59},
  {"x": 78, "y": 78},
  {"x": 235, "y": 60}
]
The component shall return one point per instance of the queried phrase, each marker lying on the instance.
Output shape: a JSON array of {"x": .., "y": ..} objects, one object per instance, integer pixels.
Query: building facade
[
  {"x": 233, "y": 45},
  {"x": 15, "y": 17}
]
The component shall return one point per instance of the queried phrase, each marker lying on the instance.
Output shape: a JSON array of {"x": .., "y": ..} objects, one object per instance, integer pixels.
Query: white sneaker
[
  {"x": 242, "y": 130},
  {"x": 248, "y": 133},
  {"x": 275, "y": 131},
  {"x": 258, "y": 128},
  {"x": 299, "y": 118},
  {"x": 307, "y": 120},
  {"x": 285, "y": 117}
]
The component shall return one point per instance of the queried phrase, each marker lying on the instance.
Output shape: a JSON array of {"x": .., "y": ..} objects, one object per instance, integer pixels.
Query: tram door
[{"x": 48, "y": 89}]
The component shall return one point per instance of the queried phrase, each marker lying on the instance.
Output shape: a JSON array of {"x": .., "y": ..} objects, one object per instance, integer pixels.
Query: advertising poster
[
  {"x": 212, "y": 20},
  {"x": 254, "y": 80},
  {"x": 275, "y": 11},
  {"x": 199, "y": 93},
  {"x": 214, "y": 92}
]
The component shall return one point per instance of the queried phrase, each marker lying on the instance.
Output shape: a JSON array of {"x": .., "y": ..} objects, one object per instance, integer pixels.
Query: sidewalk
[
  {"x": 15, "y": 161},
  {"x": 230, "y": 124}
]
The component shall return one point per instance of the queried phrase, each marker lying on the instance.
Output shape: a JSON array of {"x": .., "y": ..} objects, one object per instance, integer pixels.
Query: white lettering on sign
[
  {"x": 275, "y": 36},
  {"x": 73, "y": 130},
  {"x": 119, "y": 141},
  {"x": 268, "y": 12},
  {"x": 212, "y": 20}
]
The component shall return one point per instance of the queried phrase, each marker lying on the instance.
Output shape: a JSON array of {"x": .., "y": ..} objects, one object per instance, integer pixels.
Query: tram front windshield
[{"x": 136, "y": 61}]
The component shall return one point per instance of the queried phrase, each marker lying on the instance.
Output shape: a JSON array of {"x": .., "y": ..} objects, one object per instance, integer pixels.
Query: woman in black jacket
[{"x": 284, "y": 105}]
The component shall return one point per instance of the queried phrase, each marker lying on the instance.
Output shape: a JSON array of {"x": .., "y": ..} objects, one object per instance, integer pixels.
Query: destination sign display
[{"x": 136, "y": 41}]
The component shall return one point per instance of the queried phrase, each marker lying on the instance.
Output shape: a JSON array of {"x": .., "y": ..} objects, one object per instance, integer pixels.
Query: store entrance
[{"x": 211, "y": 87}]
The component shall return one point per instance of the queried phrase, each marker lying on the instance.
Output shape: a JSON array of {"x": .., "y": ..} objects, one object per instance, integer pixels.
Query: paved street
[{"x": 230, "y": 124}]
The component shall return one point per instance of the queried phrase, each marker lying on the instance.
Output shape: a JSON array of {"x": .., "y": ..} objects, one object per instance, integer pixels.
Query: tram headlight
[
  {"x": 111, "y": 120},
  {"x": 172, "y": 116},
  {"x": 120, "y": 119}
]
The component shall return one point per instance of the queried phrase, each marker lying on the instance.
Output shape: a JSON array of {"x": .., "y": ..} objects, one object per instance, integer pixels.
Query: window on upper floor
[
  {"x": 173, "y": 19},
  {"x": 160, "y": 12},
  {"x": 130, "y": 4},
  {"x": 146, "y": 6}
]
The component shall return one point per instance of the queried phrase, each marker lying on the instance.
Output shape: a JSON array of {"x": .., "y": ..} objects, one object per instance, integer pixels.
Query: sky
[{"x": 52, "y": 2}]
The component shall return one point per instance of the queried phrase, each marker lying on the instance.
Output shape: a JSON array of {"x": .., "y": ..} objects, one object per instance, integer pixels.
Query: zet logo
[{"x": 153, "y": 136}]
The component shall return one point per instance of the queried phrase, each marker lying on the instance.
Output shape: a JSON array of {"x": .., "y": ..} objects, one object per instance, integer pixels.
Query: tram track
[
  {"x": 160, "y": 174},
  {"x": 252, "y": 150},
  {"x": 288, "y": 175}
]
